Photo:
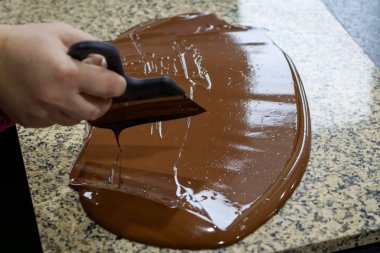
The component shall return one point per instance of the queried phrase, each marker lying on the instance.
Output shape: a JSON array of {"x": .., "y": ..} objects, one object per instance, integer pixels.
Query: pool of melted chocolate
[{"x": 229, "y": 169}]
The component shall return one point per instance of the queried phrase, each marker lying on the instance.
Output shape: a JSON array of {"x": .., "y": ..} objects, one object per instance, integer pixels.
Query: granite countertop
[{"x": 336, "y": 205}]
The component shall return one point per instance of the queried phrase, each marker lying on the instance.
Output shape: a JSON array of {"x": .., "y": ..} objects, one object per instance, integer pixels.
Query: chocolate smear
[{"x": 226, "y": 171}]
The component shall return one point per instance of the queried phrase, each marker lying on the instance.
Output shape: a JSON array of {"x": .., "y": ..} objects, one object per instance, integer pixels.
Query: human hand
[{"x": 41, "y": 85}]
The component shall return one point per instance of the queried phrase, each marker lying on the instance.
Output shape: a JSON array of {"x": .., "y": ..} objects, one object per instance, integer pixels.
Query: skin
[{"x": 41, "y": 85}]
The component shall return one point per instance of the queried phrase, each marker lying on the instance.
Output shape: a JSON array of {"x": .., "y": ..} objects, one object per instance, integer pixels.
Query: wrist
[{"x": 5, "y": 121}]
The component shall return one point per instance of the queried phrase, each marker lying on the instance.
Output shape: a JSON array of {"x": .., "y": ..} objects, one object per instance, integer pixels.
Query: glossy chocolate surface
[{"x": 226, "y": 171}]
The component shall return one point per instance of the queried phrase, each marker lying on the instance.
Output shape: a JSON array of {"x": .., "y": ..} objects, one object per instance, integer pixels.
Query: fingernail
[
  {"x": 103, "y": 62},
  {"x": 122, "y": 79}
]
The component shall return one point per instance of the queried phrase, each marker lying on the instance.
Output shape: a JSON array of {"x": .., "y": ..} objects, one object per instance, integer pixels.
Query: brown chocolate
[{"x": 229, "y": 169}]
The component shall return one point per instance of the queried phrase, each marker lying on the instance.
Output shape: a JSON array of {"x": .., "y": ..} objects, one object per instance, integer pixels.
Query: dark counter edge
[
  {"x": 18, "y": 221},
  {"x": 369, "y": 248}
]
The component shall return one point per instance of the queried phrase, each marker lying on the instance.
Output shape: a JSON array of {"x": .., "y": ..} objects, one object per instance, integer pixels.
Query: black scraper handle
[{"x": 137, "y": 88}]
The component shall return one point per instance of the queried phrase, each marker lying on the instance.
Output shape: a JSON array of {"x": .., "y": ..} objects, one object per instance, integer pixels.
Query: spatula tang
[{"x": 138, "y": 88}]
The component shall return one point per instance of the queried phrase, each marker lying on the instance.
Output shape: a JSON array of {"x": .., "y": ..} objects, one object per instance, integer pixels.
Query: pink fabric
[{"x": 5, "y": 122}]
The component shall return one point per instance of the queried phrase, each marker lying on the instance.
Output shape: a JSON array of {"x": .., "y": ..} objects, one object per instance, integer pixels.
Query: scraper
[{"x": 145, "y": 100}]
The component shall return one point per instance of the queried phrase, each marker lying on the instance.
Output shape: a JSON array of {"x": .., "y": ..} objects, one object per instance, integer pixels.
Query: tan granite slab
[{"x": 336, "y": 206}]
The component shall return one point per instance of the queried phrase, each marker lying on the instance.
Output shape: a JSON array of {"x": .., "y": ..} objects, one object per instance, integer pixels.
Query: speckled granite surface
[
  {"x": 361, "y": 19},
  {"x": 337, "y": 204}
]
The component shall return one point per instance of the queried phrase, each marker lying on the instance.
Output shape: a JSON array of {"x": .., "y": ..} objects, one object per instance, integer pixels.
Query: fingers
[
  {"x": 96, "y": 59},
  {"x": 78, "y": 109},
  {"x": 97, "y": 88},
  {"x": 99, "y": 82},
  {"x": 84, "y": 107}
]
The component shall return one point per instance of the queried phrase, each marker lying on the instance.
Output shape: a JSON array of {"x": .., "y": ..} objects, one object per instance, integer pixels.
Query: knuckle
[
  {"x": 94, "y": 113},
  {"x": 109, "y": 90},
  {"x": 116, "y": 85},
  {"x": 108, "y": 87},
  {"x": 64, "y": 72},
  {"x": 50, "y": 97},
  {"x": 101, "y": 108},
  {"x": 61, "y": 24}
]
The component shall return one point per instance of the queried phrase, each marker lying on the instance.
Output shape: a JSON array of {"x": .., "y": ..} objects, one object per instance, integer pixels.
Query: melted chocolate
[{"x": 229, "y": 169}]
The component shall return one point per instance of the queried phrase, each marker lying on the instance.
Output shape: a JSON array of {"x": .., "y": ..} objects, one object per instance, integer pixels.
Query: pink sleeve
[{"x": 5, "y": 122}]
